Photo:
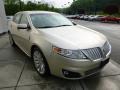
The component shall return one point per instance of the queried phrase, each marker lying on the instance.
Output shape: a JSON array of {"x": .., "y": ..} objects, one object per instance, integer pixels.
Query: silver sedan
[{"x": 59, "y": 46}]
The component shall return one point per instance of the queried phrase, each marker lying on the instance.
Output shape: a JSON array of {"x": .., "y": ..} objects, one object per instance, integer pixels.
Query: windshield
[{"x": 49, "y": 20}]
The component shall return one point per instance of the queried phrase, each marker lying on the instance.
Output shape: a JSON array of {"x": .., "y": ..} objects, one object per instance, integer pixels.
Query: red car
[
  {"x": 118, "y": 19},
  {"x": 109, "y": 18}
]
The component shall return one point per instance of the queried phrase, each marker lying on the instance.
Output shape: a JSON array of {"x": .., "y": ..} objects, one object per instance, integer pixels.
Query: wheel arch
[
  {"x": 32, "y": 48},
  {"x": 36, "y": 46}
]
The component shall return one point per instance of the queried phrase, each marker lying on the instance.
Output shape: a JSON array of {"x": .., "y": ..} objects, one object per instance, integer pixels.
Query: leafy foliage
[
  {"x": 111, "y": 9},
  {"x": 92, "y": 6},
  {"x": 14, "y": 6}
]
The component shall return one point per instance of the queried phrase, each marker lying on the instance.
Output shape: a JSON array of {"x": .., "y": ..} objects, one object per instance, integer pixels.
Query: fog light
[{"x": 69, "y": 74}]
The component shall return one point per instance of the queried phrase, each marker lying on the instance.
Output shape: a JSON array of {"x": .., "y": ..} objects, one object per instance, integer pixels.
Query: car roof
[{"x": 36, "y": 12}]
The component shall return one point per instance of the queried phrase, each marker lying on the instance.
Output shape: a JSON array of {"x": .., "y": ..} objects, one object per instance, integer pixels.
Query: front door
[{"x": 24, "y": 35}]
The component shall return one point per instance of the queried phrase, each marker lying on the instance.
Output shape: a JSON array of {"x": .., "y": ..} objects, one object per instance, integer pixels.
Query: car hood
[{"x": 73, "y": 37}]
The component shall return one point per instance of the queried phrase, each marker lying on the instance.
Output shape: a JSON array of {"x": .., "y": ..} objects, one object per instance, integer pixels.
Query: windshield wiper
[
  {"x": 53, "y": 26},
  {"x": 63, "y": 25},
  {"x": 47, "y": 27}
]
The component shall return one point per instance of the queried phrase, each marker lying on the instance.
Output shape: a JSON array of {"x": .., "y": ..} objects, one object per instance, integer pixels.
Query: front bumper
[{"x": 75, "y": 69}]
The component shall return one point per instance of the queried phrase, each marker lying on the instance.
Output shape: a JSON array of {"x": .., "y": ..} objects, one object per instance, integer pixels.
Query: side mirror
[{"x": 22, "y": 26}]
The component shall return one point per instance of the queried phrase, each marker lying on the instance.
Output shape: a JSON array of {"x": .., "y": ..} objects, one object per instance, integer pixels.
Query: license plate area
[{"x": 102, "y": 64}]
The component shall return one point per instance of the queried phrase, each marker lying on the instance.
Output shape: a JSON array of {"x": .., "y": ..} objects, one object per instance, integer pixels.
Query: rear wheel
[{"x": 39, "y": 62}]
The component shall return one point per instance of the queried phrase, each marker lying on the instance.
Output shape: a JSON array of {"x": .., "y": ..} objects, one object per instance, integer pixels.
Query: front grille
[
  {"x": 93, "y": 53},
  {"x": 97, "y": 53}
]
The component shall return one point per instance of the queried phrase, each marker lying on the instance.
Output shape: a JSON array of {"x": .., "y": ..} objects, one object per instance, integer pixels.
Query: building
[{"x": 3, "y": 20}]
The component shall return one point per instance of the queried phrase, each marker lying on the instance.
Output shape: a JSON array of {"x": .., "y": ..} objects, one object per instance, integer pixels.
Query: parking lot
[{"x": 17, "y": 71}]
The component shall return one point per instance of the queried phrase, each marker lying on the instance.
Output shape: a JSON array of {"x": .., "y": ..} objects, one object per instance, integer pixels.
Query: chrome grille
[
  {"x": 97, "y": 53},
  {"x": 93, "y": 53}
]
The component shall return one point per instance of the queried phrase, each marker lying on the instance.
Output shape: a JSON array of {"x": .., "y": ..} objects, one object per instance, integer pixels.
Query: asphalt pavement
[{"x": 17, "y": 71}]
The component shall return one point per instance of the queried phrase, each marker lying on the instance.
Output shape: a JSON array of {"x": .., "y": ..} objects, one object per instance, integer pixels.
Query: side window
[
  {"x": 24, "y": 19},
  {"x": 17, "y": 18}
]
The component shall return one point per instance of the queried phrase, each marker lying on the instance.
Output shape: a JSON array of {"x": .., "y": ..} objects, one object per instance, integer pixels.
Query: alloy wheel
[{"x": 39, "y": 62}]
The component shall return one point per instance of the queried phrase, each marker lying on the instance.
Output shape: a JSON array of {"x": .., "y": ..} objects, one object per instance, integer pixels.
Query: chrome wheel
[{"x": 39, "y": 62}]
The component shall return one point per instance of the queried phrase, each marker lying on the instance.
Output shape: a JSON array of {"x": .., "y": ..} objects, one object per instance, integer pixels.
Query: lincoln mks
[{"x": 58, "y": 46}]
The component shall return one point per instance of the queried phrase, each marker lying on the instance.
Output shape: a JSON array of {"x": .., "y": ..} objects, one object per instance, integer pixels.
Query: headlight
[{"x": 73, "y": 54}]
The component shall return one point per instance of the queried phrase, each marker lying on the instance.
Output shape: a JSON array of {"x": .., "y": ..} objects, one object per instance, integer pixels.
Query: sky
[{"x": 56, "y": 3}]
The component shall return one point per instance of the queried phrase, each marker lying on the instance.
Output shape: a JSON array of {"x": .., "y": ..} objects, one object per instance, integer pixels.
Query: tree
[
  {"x": 92, "y": 6},
  {"x": 14, "y": 6},
  {"x": 8, "y": 2},
  {"x": 111, "y": 9}
]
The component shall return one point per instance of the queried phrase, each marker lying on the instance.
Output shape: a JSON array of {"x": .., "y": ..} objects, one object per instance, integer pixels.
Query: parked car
[
  {"x": 58, "y": 46},
  {"x": 70, "y": 16},
  {"x": 109, "y": 18},
  {"x": 86, "y": 17},
  {"x": 73, "y": 17},
  {"x": 118, "y": 19},
  {"x": 82, "y": 17},
  {"x": 9, "y": 18},
  {"x": 95, "y": 17},
  {"x": 76, "y": 17},
  {"x": 98, "y": 17},
  {"x": 91, "y": 17}
]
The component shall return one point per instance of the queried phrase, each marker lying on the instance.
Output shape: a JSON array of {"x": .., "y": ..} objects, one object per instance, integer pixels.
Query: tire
[
  {"x": 12, "y": 43},
  {"x": 40, "y": 63}
]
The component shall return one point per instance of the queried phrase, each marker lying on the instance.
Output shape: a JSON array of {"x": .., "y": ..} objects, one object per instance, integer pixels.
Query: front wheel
[{"x": 39, "y": 62}]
